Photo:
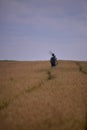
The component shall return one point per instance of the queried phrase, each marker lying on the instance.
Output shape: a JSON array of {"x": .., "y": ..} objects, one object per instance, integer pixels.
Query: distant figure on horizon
[{"x": 53, "y": 60}]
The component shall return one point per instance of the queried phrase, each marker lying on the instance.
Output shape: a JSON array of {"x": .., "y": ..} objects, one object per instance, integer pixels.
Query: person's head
[{"x": 52, "y": 54}]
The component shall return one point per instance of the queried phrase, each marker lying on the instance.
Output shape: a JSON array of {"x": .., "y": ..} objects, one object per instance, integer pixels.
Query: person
[{"x": 53, "y": 60}]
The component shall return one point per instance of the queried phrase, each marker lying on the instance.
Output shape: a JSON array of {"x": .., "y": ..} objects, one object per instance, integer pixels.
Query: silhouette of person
[{"x": 53, "y": 60}]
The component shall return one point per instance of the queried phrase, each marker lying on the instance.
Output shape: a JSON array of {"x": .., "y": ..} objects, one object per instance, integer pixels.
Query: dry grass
[{"x": 34, "y": 96}]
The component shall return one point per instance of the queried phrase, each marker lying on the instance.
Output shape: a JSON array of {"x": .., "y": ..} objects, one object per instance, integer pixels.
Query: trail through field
[{"x": 34, "y": 96}]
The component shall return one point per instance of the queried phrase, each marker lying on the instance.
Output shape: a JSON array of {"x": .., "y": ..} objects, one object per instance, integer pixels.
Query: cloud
[
  {"x": 43, "y": 22},
  {"x": 14, "y": 9}
]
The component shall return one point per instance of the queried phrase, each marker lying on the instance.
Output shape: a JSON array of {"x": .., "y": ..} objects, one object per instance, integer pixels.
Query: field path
[{"x": 34, "y": 96}]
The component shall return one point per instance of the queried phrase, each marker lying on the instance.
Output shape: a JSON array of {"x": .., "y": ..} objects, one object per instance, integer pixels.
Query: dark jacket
[{"x": 53, "y": 60}]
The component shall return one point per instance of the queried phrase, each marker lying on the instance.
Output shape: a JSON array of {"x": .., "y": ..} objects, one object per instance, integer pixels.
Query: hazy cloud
[{"x": 41, "y": 22}]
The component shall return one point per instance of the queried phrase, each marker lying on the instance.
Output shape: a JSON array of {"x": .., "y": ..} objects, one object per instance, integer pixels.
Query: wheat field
[{"x": 34, "y": 96}]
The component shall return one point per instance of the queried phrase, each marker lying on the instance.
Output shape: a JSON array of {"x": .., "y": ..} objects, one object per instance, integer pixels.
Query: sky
[{"x": 30, "y": 28}]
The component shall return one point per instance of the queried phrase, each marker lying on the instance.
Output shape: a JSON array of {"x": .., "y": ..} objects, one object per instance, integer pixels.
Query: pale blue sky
[{"x": 30, "y": 28}]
